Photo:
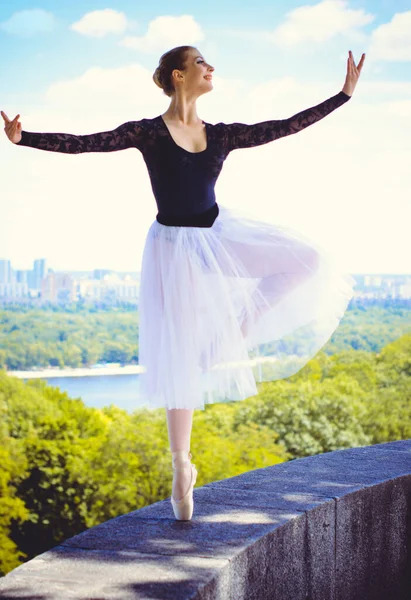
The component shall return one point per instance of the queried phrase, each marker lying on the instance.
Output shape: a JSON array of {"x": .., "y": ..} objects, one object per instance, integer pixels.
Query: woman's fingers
[
  {"x": 352, "y": 63},
  {"x": 6, "y": 119},
  {"x": 12, "y": 128},
  {"x": 360, "y": 64}
]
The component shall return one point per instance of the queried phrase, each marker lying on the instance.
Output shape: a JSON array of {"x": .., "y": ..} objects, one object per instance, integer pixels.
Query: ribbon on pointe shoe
[{"x": 181, "y": 456}]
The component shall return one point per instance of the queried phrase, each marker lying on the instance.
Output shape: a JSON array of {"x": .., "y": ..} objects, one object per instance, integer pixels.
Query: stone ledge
[{"x": 331, "y": 526}]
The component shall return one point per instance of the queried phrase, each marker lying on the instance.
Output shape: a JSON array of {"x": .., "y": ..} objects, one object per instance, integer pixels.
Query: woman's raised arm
[
  {"x": 127, "y": 135},
  {"x": 239, "y": 135}
]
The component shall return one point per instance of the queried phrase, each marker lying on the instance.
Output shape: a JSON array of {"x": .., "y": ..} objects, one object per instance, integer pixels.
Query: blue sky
[{"x": 81, "y": 67}]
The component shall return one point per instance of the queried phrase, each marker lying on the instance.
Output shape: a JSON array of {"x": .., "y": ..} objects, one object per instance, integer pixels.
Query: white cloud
[
  {"x": 27, "y": 23},
  {"x": 392, "y": 41},
  {"x": 316, "y": 23},
  {"x": 100, "y": 23},
  {"x": 320, "y": 22},
  {"x": 104, "y": 91},
  {"x": 166, "y": 32}
]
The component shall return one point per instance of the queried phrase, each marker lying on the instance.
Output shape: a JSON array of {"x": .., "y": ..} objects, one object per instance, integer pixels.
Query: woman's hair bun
[{"x": 157, "y": 77}]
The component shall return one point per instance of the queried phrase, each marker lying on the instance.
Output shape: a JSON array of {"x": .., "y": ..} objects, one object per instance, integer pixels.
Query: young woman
[{"x": 226, "y": 300}]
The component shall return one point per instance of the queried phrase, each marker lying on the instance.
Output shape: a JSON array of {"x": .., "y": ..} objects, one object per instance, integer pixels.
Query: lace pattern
[
  {"x": 127, "y": 135},
  {"x": 239, "y": 135}
]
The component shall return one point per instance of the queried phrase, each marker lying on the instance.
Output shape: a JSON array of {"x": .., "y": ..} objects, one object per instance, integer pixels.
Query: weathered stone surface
[
  {"x": 336, "y": 526},
  {"x": 64, "y": 573},
  {"x": 375, "y": 523}
]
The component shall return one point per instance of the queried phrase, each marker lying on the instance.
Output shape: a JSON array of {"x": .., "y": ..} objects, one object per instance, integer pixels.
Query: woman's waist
[{"x": 204, "y": 219}]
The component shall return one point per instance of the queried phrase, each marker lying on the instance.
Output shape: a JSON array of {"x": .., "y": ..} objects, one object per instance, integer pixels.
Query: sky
[{"x": 83, "y": 67}]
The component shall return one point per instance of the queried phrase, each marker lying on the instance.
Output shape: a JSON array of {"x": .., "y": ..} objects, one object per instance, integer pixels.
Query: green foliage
[
  {"x": 40, "y": 338},
  {"x": 80, "y": 335},
  {"x": 310, "y": 417},
  {"x": 65, "y": 467},
  {"x": 370, "y": 325},
  {"x": 13, "y": 466}
]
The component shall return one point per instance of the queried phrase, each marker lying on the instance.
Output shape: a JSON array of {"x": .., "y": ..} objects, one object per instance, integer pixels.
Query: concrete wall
[{"x": 335, "y": 526}]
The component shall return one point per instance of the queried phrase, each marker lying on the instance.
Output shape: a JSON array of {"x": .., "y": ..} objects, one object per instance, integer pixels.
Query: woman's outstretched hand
[
  {"x": 353, "y": 73},
  {"x": 12, "y": 128}
]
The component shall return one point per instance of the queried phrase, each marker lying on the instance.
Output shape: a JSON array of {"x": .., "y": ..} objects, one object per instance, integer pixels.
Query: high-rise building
[
  {"x": 5, "y": 271},
  {"x": 39, "y": 272}
]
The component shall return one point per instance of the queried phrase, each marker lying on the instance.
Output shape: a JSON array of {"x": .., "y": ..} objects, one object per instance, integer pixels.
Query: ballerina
[{"x": 226, "y": 300}]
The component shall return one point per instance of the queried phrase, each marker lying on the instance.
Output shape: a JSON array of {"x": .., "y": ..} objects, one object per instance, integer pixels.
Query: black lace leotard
[{"x": 183, "y": 182}]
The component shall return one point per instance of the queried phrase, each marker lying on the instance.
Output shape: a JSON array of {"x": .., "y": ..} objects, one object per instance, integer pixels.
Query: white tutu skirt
[{"x": 224, "y": 307}]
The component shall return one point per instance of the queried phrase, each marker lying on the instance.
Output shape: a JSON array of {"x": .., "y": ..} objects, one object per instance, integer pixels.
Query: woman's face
[{"x": 197, "y": 75}]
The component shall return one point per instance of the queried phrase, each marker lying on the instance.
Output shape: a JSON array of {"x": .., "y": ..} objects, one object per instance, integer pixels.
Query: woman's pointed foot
[{"x": 183, "y": 506}]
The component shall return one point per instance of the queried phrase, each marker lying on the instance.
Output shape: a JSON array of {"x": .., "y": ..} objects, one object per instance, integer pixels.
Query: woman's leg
[
  {"x": 273, "y": 288},
  {"x": 282, "y": 267},
  {"x": 179, "y": 424}
]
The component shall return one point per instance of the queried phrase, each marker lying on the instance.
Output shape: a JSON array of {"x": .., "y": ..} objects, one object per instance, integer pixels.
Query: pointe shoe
[{"x": 183, "y": 509}]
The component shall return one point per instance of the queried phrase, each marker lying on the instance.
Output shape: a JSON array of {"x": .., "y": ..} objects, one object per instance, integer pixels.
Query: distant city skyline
[
  {"x": 46, "y": 265},
  {"x": 344, "y": 182}
]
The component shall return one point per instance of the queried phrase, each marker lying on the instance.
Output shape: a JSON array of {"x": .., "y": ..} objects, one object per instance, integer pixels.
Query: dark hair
[{"x": 173, "y": 59}]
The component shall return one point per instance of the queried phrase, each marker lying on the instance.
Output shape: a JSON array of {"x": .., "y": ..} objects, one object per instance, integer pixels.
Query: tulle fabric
[{"x": 224, "y": 307}]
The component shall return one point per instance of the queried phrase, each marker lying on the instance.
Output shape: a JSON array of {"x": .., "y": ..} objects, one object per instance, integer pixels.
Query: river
[{"x": 97, "y": 387}]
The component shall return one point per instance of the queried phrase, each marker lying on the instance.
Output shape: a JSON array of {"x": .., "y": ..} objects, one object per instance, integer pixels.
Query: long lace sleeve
[
  {"x": 240, "y": 135},
  {"x": 127, "y": 135}
]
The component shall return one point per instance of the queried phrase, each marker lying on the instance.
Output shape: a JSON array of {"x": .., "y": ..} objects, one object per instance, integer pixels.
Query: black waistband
[{"x": 205, "y": 219}]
